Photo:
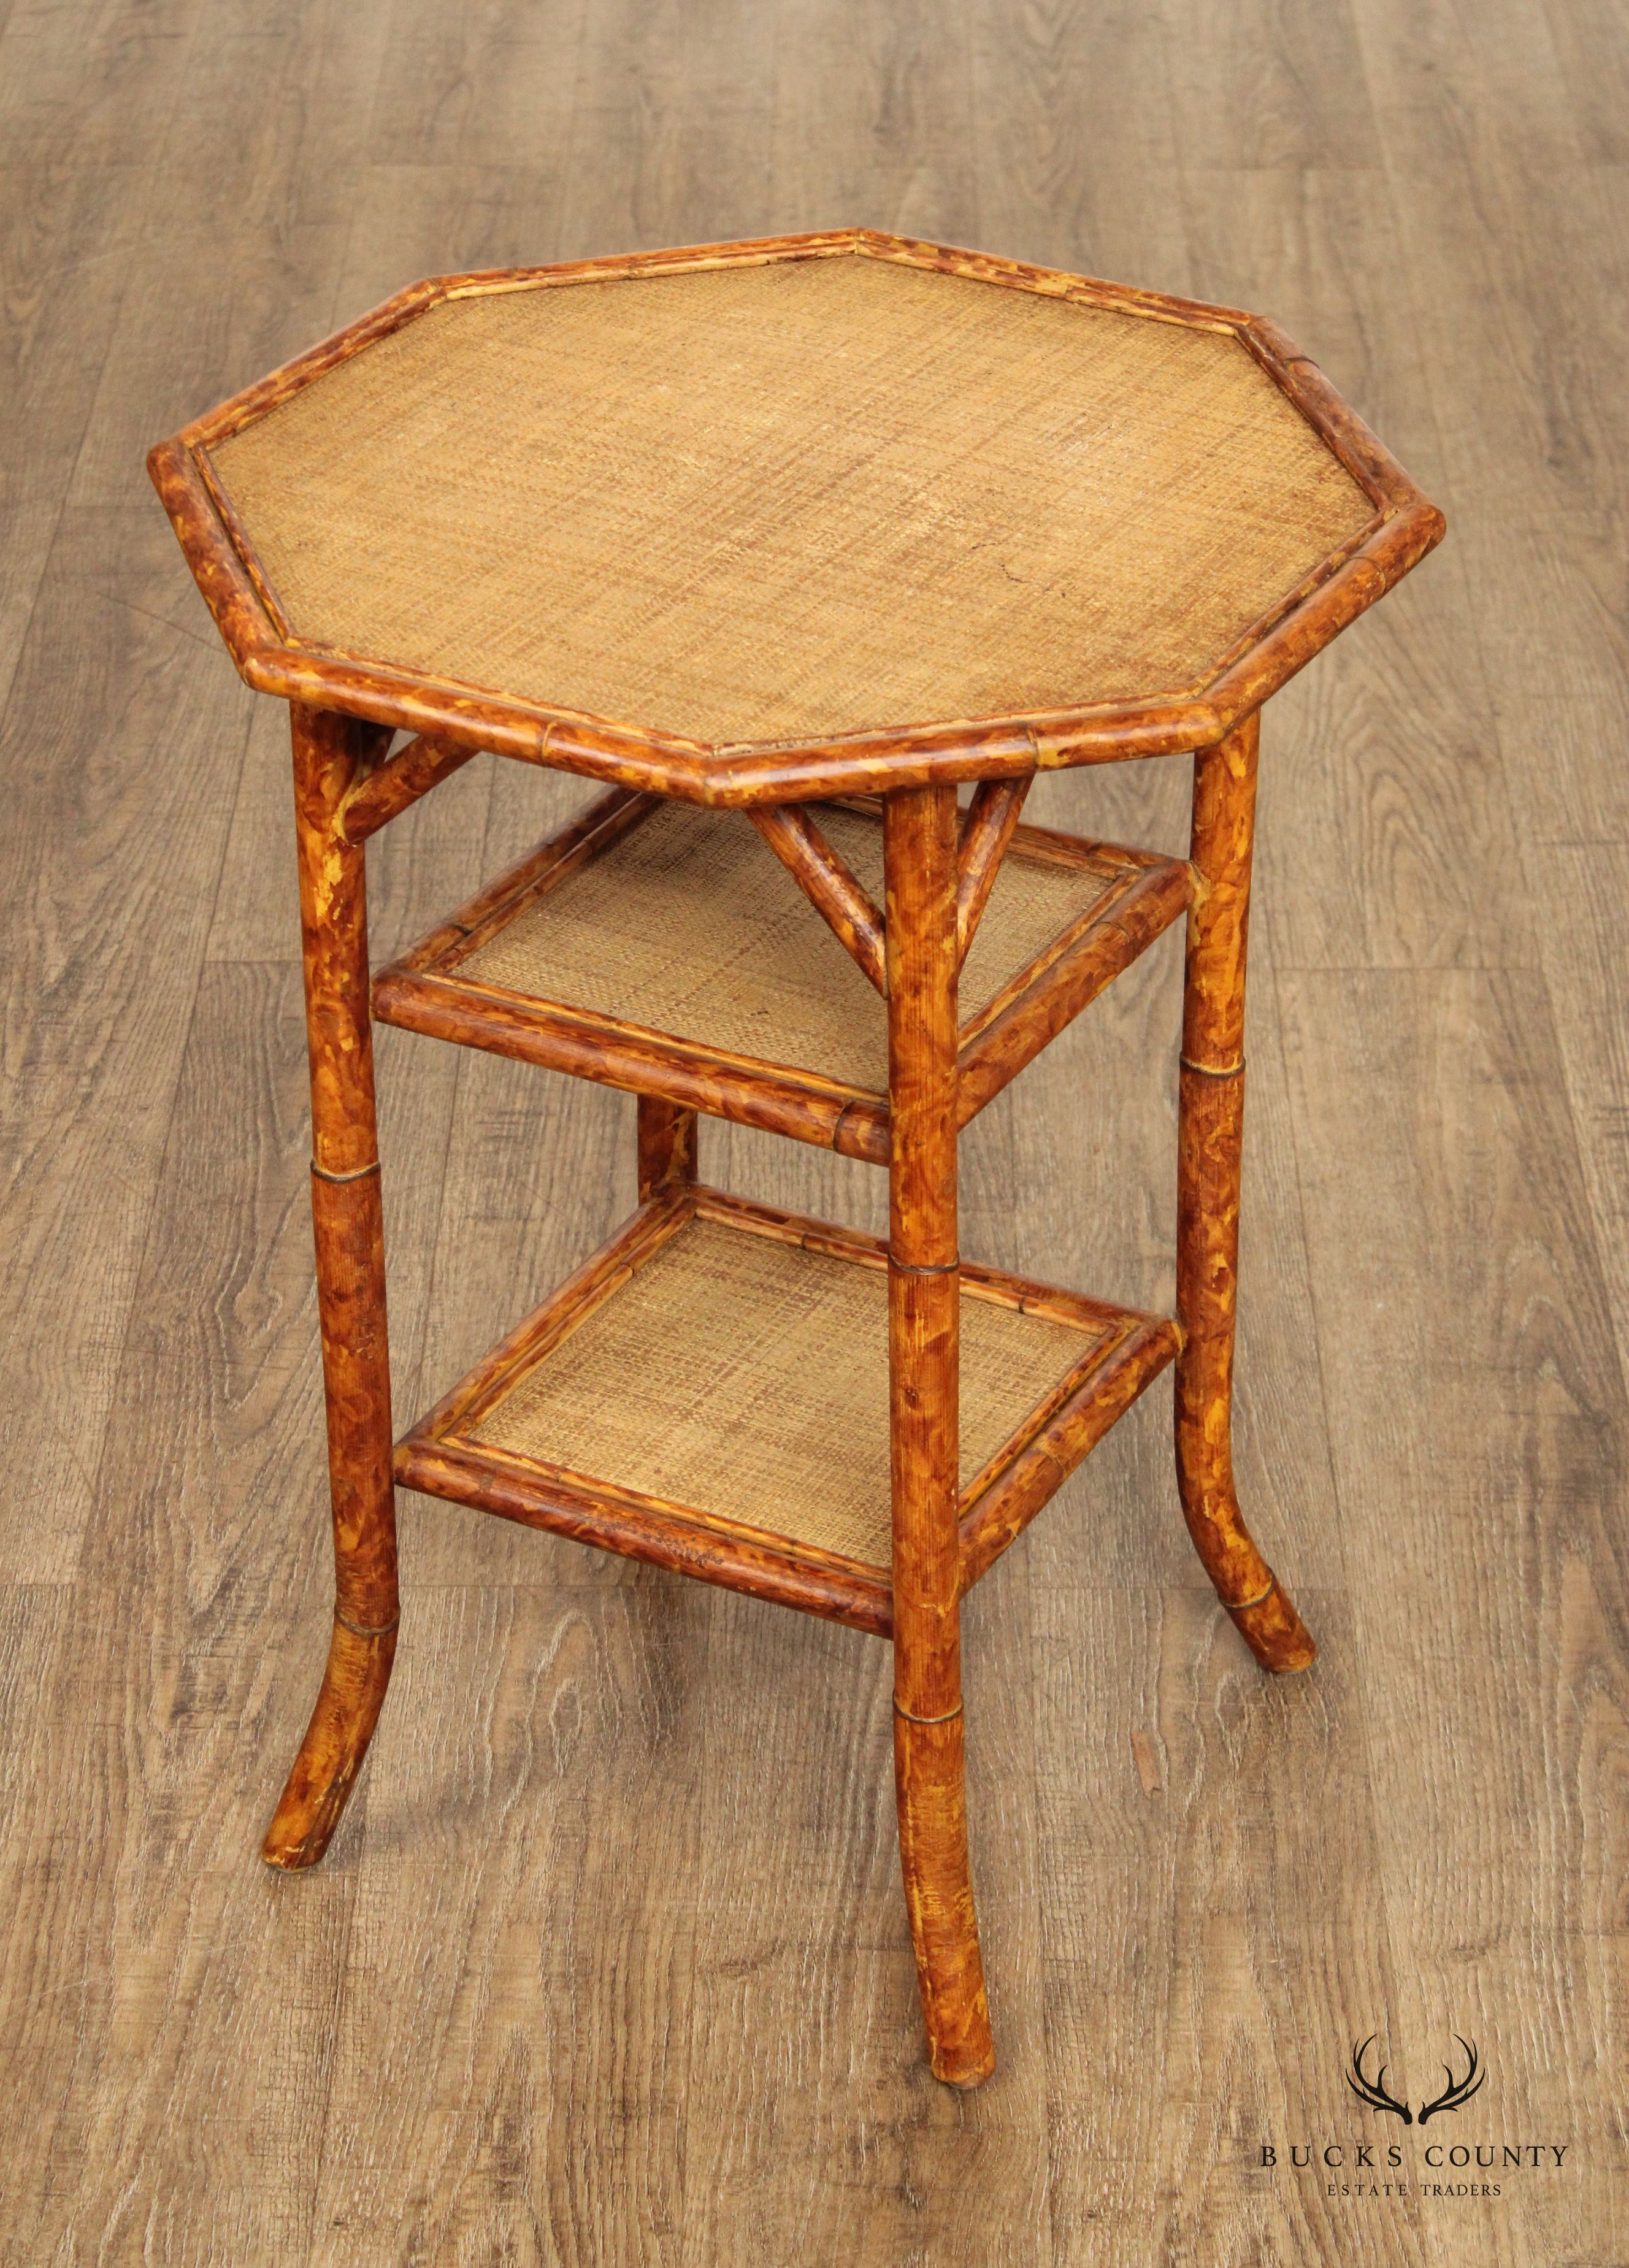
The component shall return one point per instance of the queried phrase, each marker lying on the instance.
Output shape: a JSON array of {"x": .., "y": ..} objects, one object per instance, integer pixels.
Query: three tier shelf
[{"x": 786, "y": 545}]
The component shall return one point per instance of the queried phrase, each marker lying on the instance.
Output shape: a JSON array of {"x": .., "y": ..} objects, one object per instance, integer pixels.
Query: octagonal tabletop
[{"x": 838, "y": 508}]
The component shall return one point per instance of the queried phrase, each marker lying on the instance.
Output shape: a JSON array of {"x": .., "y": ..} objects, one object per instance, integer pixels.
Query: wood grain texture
[
  {"x": 276, "y": 215},
  {"x": 1420, "y": 794},
  {"x": 111, "y": 873},
  {"x": 571, "y": 1715},
  {"x": 52, "y": 350},
  {"x": 1524, "y": 1456},
  {"x": 165, "y": 2071},
  {"x": 537, "y": 2004}
]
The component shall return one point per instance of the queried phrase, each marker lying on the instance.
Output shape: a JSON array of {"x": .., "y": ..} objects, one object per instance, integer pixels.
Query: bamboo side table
[{"x": 719, "y": 528}]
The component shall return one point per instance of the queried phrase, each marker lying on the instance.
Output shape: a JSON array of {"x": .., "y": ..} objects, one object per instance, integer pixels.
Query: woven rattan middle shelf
[
  {"x": 678, "y": 1400},
  {"x": 661, "y": 947}
]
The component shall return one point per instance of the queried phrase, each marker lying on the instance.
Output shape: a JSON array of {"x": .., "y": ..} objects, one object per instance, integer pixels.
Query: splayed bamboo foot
[
  {"x": 337, "y": 1740},
  {"x": 1209, "y": 1154}
]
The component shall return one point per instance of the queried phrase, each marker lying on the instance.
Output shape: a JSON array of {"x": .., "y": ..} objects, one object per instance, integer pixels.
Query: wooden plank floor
[{"x": 607, "y": 1965}]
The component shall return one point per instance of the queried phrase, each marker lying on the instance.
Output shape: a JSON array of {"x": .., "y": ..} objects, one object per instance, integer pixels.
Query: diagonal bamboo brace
[
  {"x": 986, "y": 830},
  {"x": 395, "y": 783},
  {"x": 827, "y": 881}
]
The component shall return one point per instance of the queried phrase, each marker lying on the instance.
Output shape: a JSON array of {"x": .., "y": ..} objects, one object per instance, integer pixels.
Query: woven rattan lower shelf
[
  {"x": 710, "y": 1393},
  {"x": 661, "y": 947}
]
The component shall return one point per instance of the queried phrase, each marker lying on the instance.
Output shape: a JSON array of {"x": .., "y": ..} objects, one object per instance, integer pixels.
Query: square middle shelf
[{"x": 662, "y": 948}]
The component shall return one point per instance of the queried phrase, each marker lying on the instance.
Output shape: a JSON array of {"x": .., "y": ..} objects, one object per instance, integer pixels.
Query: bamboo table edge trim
[{"x": 1404, "y": 527}]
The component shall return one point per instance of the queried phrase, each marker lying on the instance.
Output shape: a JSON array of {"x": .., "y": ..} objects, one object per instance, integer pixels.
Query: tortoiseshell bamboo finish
[
  {"x": 349, "y": 1222},
  {"x": 1210, "y": 1137},
  {"x": 667, "y": 1145},
  {"x": 1404, "y": 527},
  {"x": 424, "y": 991},
  {"x": 825, "y": 880},
  {"x": 923, "y": 1326},
  {"x": 992, "y": 821},
  {"x": 344, "y": 711}
]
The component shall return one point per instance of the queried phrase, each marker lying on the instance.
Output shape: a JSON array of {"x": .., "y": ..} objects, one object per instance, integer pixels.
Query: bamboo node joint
[
  {"x": 356, "y": 1174},
  {"x": 368, "y": 1630}
]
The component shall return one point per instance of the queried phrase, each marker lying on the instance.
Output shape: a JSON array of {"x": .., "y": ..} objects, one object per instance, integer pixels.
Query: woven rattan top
[
  {"x": 748, "y": 1378},
  {"x": 789, "y": 501}
]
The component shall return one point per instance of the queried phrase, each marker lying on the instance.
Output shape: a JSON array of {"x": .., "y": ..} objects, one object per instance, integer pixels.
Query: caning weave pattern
[
  {"x": 790, "y": 501},
  {"x": 690, "y": 924},
  {"x": 748, "y": 1378}
]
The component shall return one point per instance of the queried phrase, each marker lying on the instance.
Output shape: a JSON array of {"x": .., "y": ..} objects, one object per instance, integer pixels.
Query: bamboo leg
[
  {"x": 346, "y": 1216},
  {"x": 1209, "y": 1150},
  {"x": 924, "y": 1327},
  {"x": 667, "y": 1144}
]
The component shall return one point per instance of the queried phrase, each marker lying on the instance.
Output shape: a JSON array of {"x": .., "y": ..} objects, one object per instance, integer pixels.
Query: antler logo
[
  {"x": 1458, "y": 2090},
  {"x": 1372, "y": 2091}
]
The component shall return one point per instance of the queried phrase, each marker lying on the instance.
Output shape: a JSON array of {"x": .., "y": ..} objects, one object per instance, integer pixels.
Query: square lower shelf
[
  {"x": 663, "y": 948},
  {"x": 710, "y": 1393}
]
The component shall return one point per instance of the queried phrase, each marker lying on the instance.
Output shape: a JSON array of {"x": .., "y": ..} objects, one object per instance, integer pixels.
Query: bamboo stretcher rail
[
  {"x": 997, "y": 1285},
  {"x": 635, "y": 1060},
  {"x": 668, "y": 1536},
  {"x": 1017, "y": 1028},
  {"x": 567, "y": 1307},
  {"x": 1005, "y": 1509}
]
